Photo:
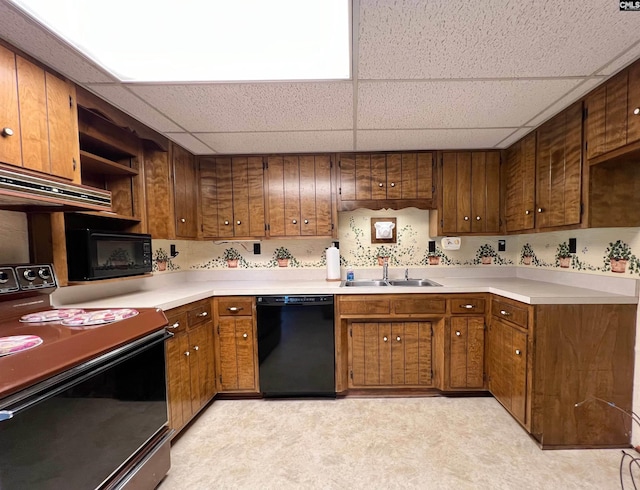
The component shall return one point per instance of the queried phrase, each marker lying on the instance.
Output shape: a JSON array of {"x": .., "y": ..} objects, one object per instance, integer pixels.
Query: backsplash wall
[
  {"x": 613, "y": 251},
  {"x": 14, "y": 247}
]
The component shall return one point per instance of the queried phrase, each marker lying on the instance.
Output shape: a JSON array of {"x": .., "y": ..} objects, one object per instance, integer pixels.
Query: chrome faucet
[{"x": 385, "y": 270}]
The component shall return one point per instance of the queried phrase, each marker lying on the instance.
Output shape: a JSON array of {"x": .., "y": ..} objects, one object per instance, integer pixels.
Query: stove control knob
[
  {"x": 29, "y": 275},
  {"x": 44, "y": 273},
  {"x": 4, "y": 277}
]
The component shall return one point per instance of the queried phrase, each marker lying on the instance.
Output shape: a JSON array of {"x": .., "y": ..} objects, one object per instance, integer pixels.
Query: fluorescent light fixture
[{"x": 200, "y": 40}]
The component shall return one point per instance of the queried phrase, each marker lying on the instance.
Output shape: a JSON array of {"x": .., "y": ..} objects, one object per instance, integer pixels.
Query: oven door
[{"x": 81, "y": 427}]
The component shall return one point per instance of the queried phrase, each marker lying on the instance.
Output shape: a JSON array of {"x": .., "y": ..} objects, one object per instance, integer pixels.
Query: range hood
[{"x": 22, "y": 190}]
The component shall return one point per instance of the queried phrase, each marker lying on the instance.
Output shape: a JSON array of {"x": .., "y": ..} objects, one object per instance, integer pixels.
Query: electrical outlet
[
  {"x": 573, "y": 245},
  {"x": 432, "y": 245},
  {"x": 502, "y": 245},
  {"x": 256, "y": 249}
]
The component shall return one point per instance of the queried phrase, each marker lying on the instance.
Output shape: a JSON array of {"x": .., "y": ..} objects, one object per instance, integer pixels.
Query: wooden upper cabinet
[
  {"x": 377, "y": 180},
  {"x": 520, "y": 175},
  {"x": 232, "y": 197},
  {"x": 185, "y": 192},
  {"x": 299, "y": 195},
  {"x": 559, "y": 170},
  {"x": 39, "y": 124},
  {"x": 613, "y": 113},
  {"x": 470, "y": 192}
]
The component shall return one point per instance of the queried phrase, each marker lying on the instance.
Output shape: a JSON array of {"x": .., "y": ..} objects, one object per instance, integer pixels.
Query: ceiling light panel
[
  {"x": 194, "y": 40},
  {"x": 490, "y": 39}
]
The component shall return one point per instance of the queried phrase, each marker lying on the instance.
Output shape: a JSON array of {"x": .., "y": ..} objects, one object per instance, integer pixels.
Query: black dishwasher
[{"x": 296, "y": 346}]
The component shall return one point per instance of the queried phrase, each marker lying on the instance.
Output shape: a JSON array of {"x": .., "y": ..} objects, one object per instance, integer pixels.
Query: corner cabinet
[
  {"x": 232, "y": 197},
  {"x": 544, "y": 359},
  {"x": 190, "y": 361},
  {"x": 39, "y": 126},
  {"x": 236, "y": 346},
  {"x": 299, "y": 194},
  {"x": 469, "y": 201},
  {"x": 520, "y": 185},
  {"x": 385, "y": 180}
]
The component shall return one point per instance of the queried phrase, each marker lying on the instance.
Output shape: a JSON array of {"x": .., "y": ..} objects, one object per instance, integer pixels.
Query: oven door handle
[{"x": 47, "y": 389}]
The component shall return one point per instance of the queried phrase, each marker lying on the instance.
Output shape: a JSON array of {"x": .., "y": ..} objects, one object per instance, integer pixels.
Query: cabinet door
[
  {"x": 184, "y": 188},
  {"x": 559, "y": 170},
  {"x": 315, "y": 195},
  {"x": 416, "y": 344},
  {"x": 485, "y": 195},
  {"x": 417, "y": 176},
  {"x": 201, "y": 366},
  {"x": 10, "y": 148},
  {"x": 456, "y": 192},
  {"x": 62, "y": 117},
  {"x": 34, "y": 132},
  {"x": 520, "y": 184},
  {"x": 224, "y": 197},
  {"x": 248, "y": 196},
  {"x": 178, "y": 380},
  {"x": 236, "y": 354},
  {"x": 394, "y": 180},
  {"x": 466, "y": 352},
  {"x": 633, "y": 104},
  {"x": 508, "y": 367}
]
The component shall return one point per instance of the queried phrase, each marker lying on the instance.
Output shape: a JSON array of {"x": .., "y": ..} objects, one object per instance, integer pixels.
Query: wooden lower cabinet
[
  {"x": 237, "y": 350},
  {"x": 543, "y": 363},
  {"x": 465, "y": 338},
  {"x": 391, "y": 354},
  {"x": 190, "y": 362}
]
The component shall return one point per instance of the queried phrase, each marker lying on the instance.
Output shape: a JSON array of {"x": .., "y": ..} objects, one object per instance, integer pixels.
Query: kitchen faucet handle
[{"x": 406, "y": 274}]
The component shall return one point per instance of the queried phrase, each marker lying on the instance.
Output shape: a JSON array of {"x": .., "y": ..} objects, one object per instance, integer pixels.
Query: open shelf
[{"x": 97, "y": 164}]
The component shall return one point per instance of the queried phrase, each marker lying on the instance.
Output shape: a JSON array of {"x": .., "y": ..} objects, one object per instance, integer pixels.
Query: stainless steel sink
[
  {"x": 393, "y": 282},
  {"x": 364, "y": 282},
  {"x": 413, "y": 282}
]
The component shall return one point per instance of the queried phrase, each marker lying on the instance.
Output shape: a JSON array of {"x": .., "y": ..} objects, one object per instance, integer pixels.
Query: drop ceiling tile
[
  {"x": 280, "y": 142},
  {"x": 512, "y": 138},
  {"x": 429, "y": 139},
  {"x": 564, "y": 102},
  {"x": 493, "y": 38},
  {"x": 30, "y": 37},
  {"x": 254, "y": 106},
  {"x": 134, "y": 106},
  {"x": 455, "y": 104},
  {"x": 619, "y": 63},
  {"x": 191, "y": 143}
]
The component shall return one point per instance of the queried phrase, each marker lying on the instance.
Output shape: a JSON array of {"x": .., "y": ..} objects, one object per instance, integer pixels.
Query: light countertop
[{"x": 192, "y": 287}]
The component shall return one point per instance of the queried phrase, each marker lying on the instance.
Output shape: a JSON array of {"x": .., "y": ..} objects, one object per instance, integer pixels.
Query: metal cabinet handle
[
  {"x": 226, "y": 222},
  {"x": 527, "y": 211},
  {"x": 306, "y": 222},
  {"x": 518, "y": 352},
  {"x": 478, "y": 218},
  {"x": 7, "y": 132},
  {"x": 238, "y": 222},
  {"x": 636, "y": 111},
  {"x": 380, "y": 184},
  {"x": 466, "y": 218},
  {"x": 458, "y": 333},
  {"x": 182, "y": 220},
  {"x": 540, "y": 210},
  {"x": 295, "y": 221},
  {"x": 467, "y": 307},
  {"x": 393, "y": 184},
  {"x": 505, "y": 313},
  {"x": 196, "y": 348},
  {"x": 175, "y": 325},
  {"x": 398, "y": 338},
  {"x": 244, "y": 335},
  {"x": 187, "y": 353},
  {"x": 385, "y": 338},
  {"x": 234, "y": 308},
  {"x": 204, "y": 313}
]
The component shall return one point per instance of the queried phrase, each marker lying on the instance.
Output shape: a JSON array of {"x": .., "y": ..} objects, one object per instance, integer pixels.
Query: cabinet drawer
[
  {"x": 235, "y": 306},
  {"x": 465, "y": 306},
  {"x": 365, "y": 305},
  {"x": 418, "y": 304},
  {"x": 512, "y": 313},
  {"x": 200, "y": 313},
  {"x": 177, "y": 321}
]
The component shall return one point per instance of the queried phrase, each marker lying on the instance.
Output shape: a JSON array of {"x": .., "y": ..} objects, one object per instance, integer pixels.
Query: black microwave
[{"x": 93, "y": 254}]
